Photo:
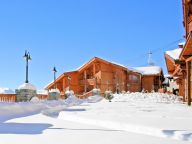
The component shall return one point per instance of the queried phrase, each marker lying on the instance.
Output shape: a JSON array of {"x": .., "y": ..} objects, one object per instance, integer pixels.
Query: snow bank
[
  {"x": 14, "y": 110},
  {"x": 94, "y": 99},
  {"x": 152, "y": 114},
  {"x": 72, "y": 100},
  {"x": 139, "y": 129},
  {"x": 147, "y": 97}
]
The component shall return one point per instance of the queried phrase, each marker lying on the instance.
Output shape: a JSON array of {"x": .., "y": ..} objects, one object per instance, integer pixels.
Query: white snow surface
[
  {"x": 6, "y": 91},
  {"x": 174, "y": 53},
  {"x": 43, "y": 92},
  {"x": 27, "y": 86},
  {"x": 149, "y": 70},
  {"x": 54, "y": 90},
  {"x": 134, "y": 118}
]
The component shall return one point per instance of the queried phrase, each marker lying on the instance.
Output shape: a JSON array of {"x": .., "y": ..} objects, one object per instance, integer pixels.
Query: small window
[
  {"x": 133, "y": 78},
  {"x": 190, "y": 8}
]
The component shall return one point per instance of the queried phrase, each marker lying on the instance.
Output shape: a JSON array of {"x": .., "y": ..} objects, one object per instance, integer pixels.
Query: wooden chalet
[
  {"x": 152, "y": 78},
  {"x": 98, "y": 73},
  {"x": 182, "y": 67},
  {"x": 174, "y": 68},
  {"x": 186, "y": 54}
]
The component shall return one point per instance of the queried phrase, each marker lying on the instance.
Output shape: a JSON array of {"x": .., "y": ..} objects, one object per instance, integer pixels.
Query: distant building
[
  {"x": 103, "y": 74},
  {"x": 152, "y": 78}
]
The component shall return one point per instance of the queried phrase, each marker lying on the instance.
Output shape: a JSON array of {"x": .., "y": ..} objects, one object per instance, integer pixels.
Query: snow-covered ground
[{"x": 133, "y": 118}]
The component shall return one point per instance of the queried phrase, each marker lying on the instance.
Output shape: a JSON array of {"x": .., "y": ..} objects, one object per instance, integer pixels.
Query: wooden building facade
[
  {"x": 105, "y": 75},
  {"x": 186, "y": 54},
  {"x": 182, "y": 67},
  {"x": 152, "y": 78},
  {"x": 98, "y": 73}
]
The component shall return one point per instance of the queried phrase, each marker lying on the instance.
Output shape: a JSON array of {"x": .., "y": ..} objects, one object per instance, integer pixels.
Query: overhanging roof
[
  {"x": 100, "y": 60},
  {"x": 170, "y": 63},
  {"x": 59, "y": 78},
  {"x": 187, "y": 50}
]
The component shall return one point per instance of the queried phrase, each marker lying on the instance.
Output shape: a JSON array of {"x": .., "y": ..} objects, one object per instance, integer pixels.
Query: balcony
[{"x": 89, "y": 82}]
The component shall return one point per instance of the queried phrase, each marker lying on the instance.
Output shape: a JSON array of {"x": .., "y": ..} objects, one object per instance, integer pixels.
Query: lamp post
[
  {"x": 27, "y": 57},
  {"x": 54, "y": 72}
]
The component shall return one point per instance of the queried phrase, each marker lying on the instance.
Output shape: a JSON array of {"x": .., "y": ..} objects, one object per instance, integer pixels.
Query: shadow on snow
[{"x": 23, "y": 128}]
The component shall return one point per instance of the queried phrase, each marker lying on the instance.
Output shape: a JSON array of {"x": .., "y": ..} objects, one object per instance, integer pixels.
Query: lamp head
[{"x": 54, "y": 69}]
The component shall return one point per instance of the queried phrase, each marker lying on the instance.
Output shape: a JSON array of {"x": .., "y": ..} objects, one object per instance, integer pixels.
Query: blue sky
[{"x": 67, "y": 33}]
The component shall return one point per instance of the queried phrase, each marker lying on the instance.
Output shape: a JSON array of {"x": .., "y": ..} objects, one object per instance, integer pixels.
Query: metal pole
[
  {"x": 26, "y": 81},
  {"x": 54, "y": 72},
  {"x": 54, "y": 80}
]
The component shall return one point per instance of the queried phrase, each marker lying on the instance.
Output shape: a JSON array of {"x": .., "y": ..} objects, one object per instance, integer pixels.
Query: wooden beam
[
  {"x": 189, "y": 59},
  {"x": 179, "y": 62},
  {"x": 189, "y": 83}
]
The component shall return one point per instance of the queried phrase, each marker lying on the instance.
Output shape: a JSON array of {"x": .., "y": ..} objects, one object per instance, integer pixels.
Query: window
[
  {"x": 133, "y": 78},
  {"x": 190, "y": 8}
]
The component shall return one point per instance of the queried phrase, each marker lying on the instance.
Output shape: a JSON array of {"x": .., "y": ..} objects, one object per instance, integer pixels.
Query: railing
[
  {"x": 85, "y": 95},
  {"x": 7, "y": 97},
  {"x": 42, "y": 97},
  {"x": 12, "y": 97},
  {"x": 87, "y": 82}
]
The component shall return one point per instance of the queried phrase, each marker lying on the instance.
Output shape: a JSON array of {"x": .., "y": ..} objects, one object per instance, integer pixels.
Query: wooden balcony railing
[
  {"x": 7, "y": 97},
  {"x": 12, "y": 97},
  {"x": 87, "y": 82}
]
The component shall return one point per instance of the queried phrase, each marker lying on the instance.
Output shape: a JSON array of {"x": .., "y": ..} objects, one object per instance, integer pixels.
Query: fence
[
  {"x": 7, "y": 97},
  {"x": 42, "y": 97},
  {"x": 12, "y": 97}
]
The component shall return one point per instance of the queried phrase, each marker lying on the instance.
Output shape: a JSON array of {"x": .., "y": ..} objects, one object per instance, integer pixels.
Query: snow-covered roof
[
  {"x": 27, "y": 86},
  {"x": 42, "y": 92},
  {"x": 6, "y": 91},
  {"x": 181, "y": 44},
  {"x": 149, "y": 70},
  {"x": 103, "y": 60},
  {"x": 168, "y": 76},
  {"x": 48, "y": 84},
  {"x": 54, "y": 90},
  {"x": 174, "y": 53},
  {"x": 118, "y": 64}
]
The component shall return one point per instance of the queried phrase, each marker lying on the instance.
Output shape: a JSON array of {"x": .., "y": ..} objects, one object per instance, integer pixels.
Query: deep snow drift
[{"x": 130, "y": 118}]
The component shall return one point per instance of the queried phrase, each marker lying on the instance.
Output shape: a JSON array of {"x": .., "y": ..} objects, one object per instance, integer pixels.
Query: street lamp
[
  {"x": 27, "y": 57},
  {"x": 54, "y": 72}
]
